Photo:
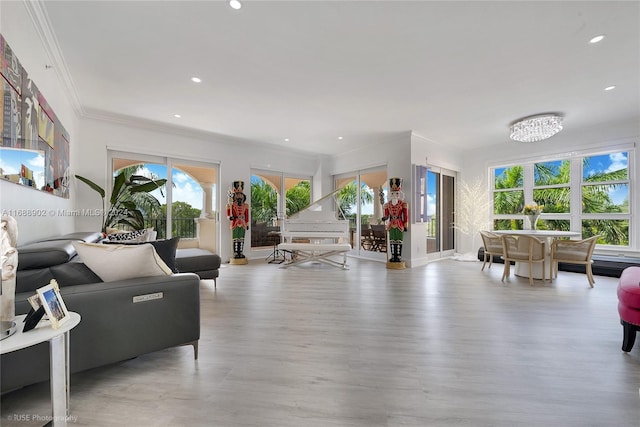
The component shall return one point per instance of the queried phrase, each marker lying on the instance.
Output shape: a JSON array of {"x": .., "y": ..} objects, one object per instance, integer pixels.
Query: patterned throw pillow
[{"x": 137, "y": 236}]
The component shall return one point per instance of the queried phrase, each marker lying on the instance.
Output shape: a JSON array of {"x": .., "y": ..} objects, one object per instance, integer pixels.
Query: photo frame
[
  {"x": 34, "y": 301},
  {"x": 53, "y": 304}
]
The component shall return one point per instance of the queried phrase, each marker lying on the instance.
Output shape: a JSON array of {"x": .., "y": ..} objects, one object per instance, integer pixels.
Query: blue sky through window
[
  {"x": 185, "y": 189},
  {"x": 609, "y": 163},
  {"x": 603, "y": 163}
]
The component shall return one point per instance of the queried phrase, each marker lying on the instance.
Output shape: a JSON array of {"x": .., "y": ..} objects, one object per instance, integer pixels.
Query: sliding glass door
[
  {"x": 439, "y": 199},
  {"x": 188, "y": 202},
  {"x": 360, "y": 200},
  {"x": 269, "y": 207}
]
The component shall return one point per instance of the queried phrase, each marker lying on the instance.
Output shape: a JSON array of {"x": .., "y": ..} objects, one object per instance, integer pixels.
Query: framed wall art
[{"x": 35, "y": 145}]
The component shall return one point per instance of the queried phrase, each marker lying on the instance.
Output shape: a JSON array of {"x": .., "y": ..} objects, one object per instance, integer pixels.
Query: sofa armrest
[{"x": 114, "y": 327}]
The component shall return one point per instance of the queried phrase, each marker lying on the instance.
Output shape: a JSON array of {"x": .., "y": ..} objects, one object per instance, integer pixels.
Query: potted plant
[
  {"x": 533, "y": 212},
  {"x": 131, "y": 195}
]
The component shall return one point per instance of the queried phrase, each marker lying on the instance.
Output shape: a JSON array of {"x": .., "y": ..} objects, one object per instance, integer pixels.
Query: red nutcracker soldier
[
  {"x": 238, "y": 214},
  {"x": 396, "y": 216}
]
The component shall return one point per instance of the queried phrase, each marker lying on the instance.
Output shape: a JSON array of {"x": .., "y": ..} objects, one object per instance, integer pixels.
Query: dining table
[{"x": 522, "y": 268}]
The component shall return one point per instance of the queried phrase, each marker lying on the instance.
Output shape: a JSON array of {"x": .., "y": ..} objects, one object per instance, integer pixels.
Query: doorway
[
  {"x": 435, "y": 205},
  {"x": 188, "y": 202},
  {"x": 360, "y": 199}
]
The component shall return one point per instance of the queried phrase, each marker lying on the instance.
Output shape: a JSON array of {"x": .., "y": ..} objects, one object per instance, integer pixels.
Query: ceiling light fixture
[
  {"x": 177, "y": 116},
  {"x": 235, "y": 4},
  {"x": 612, "y": 87},
  {"x": 536, "y": 128},
  {"x": 196, "y": 79},
  {"x": 286, "y": 140},
  {"x": 597, "y": 39},
  {"x": 339, "y": 137}
]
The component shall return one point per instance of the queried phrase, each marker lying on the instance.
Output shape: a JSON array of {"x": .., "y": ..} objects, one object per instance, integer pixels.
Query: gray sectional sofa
[{"x": 113, "y": 327}]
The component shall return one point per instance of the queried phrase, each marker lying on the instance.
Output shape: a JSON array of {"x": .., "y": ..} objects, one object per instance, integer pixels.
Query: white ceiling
[{"x": 456, "y": 73}]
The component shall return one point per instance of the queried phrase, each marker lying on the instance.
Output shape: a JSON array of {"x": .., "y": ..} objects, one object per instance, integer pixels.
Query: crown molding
[
  {"x": 38, "y": 14},
  {"x": 208, "y": 136}
]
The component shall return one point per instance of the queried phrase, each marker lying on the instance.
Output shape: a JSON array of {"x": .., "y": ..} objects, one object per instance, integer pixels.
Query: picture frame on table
[
  {"x": 53, "y": 304},
  {"x": 34, "y": 301}
]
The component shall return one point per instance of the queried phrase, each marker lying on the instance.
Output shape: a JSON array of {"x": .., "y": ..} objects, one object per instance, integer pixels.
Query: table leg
[{"x": 59, "y": 365}]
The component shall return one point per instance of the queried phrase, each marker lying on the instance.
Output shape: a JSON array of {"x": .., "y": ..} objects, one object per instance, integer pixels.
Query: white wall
[
  {"x": 477, "y": 162},
  {"x": 20, "y": 33},
  {"x": 235, "y": 158}
]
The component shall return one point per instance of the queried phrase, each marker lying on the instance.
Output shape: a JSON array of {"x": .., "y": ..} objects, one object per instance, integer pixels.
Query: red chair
[{"x": 629, "y": 305}]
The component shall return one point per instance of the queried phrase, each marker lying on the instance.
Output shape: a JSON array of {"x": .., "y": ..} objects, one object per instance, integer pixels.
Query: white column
[{"x": 207, "y": 199}]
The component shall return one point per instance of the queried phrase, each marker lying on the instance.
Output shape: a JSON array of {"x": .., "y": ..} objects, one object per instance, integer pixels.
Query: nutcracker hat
[
  {"x": 238, "y": 186},
  {"x": 395, "y": 184}
]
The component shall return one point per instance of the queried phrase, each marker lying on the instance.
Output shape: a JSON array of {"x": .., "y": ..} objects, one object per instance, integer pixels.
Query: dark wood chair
[
  {"x": 379, "y": 232},
  {"x": 366, "y": 239}
]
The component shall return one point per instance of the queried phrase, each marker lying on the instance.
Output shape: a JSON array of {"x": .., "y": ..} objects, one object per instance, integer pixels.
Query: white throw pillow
[{"x": 120, "y": 262}]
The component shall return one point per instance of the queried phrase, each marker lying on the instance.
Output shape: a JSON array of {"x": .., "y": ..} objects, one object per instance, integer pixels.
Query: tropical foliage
[
  {"x": 298, "y": 197},
  {"x": 183, "y": 217},
  {"x": 264, "y": 199},
  {"x": 130, "y": 201},
  {"x": 348, "y": 197},
  {"x": 555, "y": 196}
]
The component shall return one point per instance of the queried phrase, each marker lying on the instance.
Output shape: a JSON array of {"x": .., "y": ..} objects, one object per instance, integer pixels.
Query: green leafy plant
[{"x": 130, "y": 198}]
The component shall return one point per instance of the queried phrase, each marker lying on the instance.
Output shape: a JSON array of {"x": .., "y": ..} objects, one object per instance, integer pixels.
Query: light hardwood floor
[{"x": 439, "y": 345}]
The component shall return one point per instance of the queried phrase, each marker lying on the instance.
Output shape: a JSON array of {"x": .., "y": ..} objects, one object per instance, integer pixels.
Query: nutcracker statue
[
  {"x": 238, "y": 214},
  {"x": 396, "y": 217}
]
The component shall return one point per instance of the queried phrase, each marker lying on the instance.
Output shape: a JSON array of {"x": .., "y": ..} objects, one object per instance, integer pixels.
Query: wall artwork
[{"x": 35, "y": 146}]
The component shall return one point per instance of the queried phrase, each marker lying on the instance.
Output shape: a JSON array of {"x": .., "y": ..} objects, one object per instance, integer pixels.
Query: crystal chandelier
[{"x": 536, "y": 128}]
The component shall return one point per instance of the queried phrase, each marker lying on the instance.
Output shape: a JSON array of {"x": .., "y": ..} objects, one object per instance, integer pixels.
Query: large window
[
  {"x": 508, "y": 197},
  {"x": 188, "y": 201},
  {"x": 586, "y": 193},
  {"x": 605, "y": 198}
]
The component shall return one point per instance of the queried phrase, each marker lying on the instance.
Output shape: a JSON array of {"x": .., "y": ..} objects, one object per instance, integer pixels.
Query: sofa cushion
[
  {"x": 119, "y": 262},
  {"x": 195, "y": 259},
  {"x": 30, "y": 280},
  {"x": 166, "y": 249},
  {"x": 73, "y": 273},
  {"x": 45, "y": 254}
]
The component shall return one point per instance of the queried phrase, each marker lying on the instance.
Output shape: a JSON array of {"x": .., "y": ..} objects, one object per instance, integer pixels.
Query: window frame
[{"x": 576, "y": 184}]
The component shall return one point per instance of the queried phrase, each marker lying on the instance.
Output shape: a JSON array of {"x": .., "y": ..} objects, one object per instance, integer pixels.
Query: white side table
[{"x": 58, "y": 356}]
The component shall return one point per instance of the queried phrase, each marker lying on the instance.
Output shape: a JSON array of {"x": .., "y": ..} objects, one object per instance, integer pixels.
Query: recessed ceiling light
[
  {"x": 339, "y": 137},
  {"x": 612, "y": 87},
  {"x": 235, "y": 4},
  {"x": 597, "y": 39},
  {"x": 286, "y": 140},
  {"x": 177, "y": 116},
  {"x": 196, "y": 79}
]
